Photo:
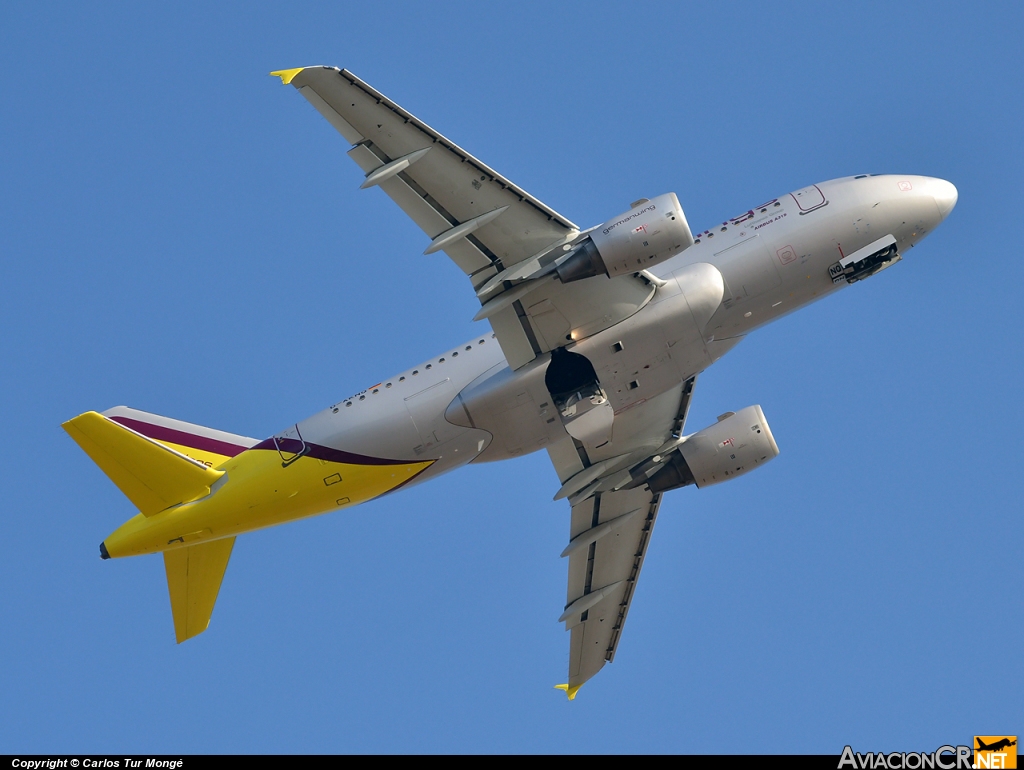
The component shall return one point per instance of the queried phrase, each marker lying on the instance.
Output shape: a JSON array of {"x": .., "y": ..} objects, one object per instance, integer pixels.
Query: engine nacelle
[
  {"x": 649, "y": 233},
  {"x": 737, "y": 443}
]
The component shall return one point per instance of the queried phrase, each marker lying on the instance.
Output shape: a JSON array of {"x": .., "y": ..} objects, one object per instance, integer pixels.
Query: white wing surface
[
  {"x": 486, "y": 224},
  {"x": 610, "y": 534},
  {"x": 438, "y": 184}
]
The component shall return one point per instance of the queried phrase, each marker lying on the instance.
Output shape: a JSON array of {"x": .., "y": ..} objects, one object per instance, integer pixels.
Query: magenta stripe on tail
[{"x": 160, "y": 433}]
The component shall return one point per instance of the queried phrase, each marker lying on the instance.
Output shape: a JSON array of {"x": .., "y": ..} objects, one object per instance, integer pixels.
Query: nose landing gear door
[
  {"x": 290, "y": 446},
  {"x": 864, "y": 263}
]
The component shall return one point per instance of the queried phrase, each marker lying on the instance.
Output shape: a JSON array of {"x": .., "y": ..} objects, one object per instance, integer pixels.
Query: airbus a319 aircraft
[{"x": 596, "y": 340}]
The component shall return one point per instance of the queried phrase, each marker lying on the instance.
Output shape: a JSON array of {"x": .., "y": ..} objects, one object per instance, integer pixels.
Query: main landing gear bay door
[{"x": 582, "y": 403}]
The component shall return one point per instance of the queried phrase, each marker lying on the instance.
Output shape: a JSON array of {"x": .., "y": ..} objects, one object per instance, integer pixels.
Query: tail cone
[{"x": 103, "y": 551}]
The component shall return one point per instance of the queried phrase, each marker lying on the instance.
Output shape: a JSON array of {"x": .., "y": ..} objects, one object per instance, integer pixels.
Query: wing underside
[
  {"x": 603, "y": 574},
  {"x": 488, "y": 226},
  {"x": 609, "y": 534},
  {"x": 438, "y": 184}
]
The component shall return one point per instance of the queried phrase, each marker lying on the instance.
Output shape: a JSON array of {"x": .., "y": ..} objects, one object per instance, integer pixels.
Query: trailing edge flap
[
  {"x": 194, "y": 575},
  {"x": 150, "y": 474}
]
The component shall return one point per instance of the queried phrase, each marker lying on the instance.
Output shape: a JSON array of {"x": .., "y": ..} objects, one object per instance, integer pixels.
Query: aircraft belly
[
  {"x": 660, "y": 347},
  {"x": 640, "y": 364},
  {"x": 512, "y": 406},
  {"x": 805, "y": 245},
  {"x": 748, "y": 269},
  {"x": 260, "y": 491},
  {"x": 799, "y": 252},
  {"x": 403, "y": 418},
  {"x": 445, "y": 412}
]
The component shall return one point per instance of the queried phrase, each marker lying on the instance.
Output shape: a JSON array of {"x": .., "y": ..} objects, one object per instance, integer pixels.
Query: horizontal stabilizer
[
  {"x": 151, "y": 475},
  {"x": 194, "y": 575}
]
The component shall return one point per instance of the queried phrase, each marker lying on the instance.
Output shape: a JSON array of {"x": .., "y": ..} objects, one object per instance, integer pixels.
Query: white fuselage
[{"x": 468, "y": 405}]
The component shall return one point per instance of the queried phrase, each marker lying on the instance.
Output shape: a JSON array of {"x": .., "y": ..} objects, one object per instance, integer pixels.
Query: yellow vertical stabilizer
[
  {"x": 194, "y": 575},
  {"x": 150, "y": 474}
]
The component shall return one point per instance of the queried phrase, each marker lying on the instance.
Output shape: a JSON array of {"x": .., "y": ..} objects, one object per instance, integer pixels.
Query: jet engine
[
  {"x": 649, "y": 233},
  {"x": 737, "y": 443}
]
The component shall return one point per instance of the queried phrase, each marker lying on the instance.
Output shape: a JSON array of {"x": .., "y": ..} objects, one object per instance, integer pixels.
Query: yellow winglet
[
  {"x": 287, "y": 75},
  {"x": 569, "y": 691}
]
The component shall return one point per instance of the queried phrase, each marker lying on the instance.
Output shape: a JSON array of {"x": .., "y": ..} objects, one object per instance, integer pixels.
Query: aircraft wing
[
  {"x": 486, "y": 224},
  {"x": 440, "y": 189},
  {"x": 603, "y": 573},
  {"x": 609, "y": 533}
]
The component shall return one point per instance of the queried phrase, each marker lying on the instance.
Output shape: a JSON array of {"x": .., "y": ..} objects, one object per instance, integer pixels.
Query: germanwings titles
[{"x": 596, "y": 340}]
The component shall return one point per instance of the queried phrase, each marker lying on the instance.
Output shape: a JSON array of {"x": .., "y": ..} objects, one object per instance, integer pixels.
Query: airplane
[
  {"x": 596, "y": 339},
  {"x": 1002, "y": 743}
]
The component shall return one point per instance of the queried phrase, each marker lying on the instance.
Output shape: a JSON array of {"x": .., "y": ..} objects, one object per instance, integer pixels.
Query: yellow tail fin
[
  {"x": 151, "y": 475},
  {"x": 194, "y": 575}
]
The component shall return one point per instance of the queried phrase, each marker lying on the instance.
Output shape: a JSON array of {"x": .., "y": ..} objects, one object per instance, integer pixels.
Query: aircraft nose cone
[{"x": 945, "y": 196}]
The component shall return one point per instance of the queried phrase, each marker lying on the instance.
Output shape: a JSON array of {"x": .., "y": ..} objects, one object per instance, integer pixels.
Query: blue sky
[{"x": 180, "y": 233}]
